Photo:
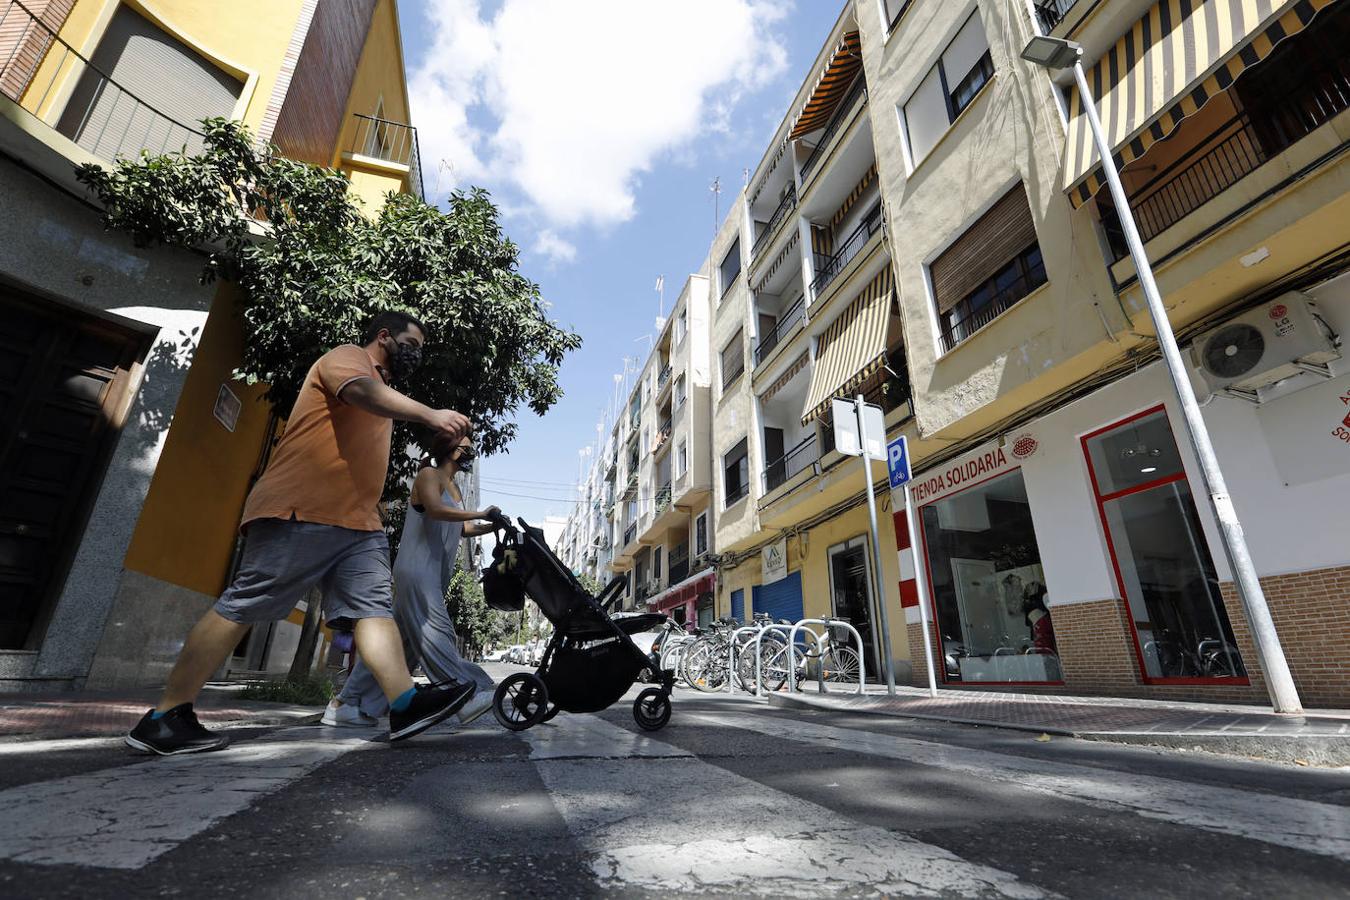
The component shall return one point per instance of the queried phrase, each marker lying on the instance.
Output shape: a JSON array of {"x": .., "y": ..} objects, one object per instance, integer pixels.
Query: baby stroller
[{"x": 590, "y": 661}]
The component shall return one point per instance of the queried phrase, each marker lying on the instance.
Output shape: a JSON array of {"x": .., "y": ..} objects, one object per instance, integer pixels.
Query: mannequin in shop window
[{"x": 1038, "y": 619}]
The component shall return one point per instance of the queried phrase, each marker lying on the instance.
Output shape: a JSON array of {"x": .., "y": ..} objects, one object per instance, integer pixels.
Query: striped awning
[
  {"x": 782, "y": 380},
  {"x": 852, "y": 348},
  {"x": 1167, "y": 66},
  {"x": 830, "y": 87}
]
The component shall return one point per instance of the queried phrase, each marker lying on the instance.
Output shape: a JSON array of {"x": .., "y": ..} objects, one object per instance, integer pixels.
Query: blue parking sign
[{"x": 897, "y": 461}]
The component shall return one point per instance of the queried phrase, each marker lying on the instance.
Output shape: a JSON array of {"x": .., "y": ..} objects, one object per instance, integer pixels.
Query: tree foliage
[
  {"x": 313, "y": 269},
  {"x": 477, "y": 624}
]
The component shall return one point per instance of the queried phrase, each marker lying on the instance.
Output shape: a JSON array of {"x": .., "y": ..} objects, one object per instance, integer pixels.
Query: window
[
  {"x": 736, "y": 473},
  {"x": 964, "y": 68},
  {"x": 701, "y": 534},
  {"x": 988, "y": 585},
  {"x": 1163, "y": 566},
  {"x": 681, "y": 459},
  {"x": 678, "y": 329},
  {"x": 893, "y": 10},
  {"x": 656, "y": 564},
  {"x": 731, "y": 266},
  {"x": 995, "y": 263},
  {"x": 680, "y": 388},
  {"x": 733, "y": 360}
]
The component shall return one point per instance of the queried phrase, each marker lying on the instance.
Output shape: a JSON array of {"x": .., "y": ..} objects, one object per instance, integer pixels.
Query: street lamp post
[{"x": 1057, "y": 53}]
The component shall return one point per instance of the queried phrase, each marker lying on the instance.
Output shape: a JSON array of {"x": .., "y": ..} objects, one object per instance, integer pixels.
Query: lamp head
[{"x": 1053, "y": 53}]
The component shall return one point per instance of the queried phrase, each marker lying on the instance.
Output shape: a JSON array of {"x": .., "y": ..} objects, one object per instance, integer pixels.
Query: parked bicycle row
[{"x": 763, "y": 656}]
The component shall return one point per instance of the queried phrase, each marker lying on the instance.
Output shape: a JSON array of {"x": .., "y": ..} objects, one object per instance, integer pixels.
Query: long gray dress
[{"x": 422, "y": 572}]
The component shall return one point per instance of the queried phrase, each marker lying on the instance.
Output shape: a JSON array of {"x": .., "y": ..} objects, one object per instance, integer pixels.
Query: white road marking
[
  {"x": 697, "y": 827},
  {"x": 57, "y": 745},
  {"x": 1321, "y": 828},
  {"x": 126, "y": 816}
]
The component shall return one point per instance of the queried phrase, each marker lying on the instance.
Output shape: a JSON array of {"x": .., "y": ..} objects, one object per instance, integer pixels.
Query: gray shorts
[{"x": 285, "y": 559}]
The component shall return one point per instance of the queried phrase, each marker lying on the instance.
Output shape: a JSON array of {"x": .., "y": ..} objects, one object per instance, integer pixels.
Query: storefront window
[
  {"x": 988, "y": 585},
  {"x": 1163, "y": 565}
]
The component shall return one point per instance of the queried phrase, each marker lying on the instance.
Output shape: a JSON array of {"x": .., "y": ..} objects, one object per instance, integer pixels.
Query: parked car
[
  {"x": 513, "y": 655},
  {"x": 537, "y": 652},
  {"x": 495, "y": 655}
]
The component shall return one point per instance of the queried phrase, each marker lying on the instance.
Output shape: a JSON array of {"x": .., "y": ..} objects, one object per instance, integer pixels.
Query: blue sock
[
  {"x": 400, "y": 703},
  {"x": 156, "y": 714}
]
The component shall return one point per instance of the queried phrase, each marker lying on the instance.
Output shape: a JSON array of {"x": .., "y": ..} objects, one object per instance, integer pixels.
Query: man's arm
[{"x": 381, "y": 400}]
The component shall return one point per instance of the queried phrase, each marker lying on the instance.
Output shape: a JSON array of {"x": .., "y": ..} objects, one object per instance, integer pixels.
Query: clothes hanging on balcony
[
  {"x": 852, "y": 348},
  {"x": 1167, "y": 66},
  {"x": 830, "y": 88}
]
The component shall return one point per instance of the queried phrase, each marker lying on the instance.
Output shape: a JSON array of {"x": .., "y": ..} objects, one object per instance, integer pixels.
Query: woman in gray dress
[{"x": 427, "y": 549}]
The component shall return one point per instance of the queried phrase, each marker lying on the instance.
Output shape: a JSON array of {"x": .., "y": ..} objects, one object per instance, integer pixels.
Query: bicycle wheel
[
  {"x": 774, "y": 665},
  {"x": 840, "y": 665},
  {"x": 704, "y": 667}
]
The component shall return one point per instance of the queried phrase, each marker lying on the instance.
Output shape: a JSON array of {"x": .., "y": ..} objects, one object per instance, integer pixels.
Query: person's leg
[
  {"x": 381, "y": 649},
  {"x": 440, "y": 648},
  {"x": 363, "y": 692},
  {"x": 205, "y": 651}
]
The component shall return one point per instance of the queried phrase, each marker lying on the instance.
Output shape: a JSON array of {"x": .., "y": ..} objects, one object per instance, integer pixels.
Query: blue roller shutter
[
  {"x": 782, "y": 599},
  {"x": 738, "y": 605}
]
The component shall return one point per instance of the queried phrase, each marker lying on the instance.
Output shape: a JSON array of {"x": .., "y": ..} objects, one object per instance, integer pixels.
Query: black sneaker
[
  {"x": 175, "y": 732},
  {"x": 429, "y": 706}
]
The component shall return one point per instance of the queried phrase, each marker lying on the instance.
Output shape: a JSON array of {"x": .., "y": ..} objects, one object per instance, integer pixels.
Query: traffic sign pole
[
  {"x": 882, "y": 617},
  {"x": 921, "y": 582}
]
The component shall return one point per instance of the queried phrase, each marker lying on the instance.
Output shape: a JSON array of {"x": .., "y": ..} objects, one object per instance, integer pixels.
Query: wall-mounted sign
[
  {"x": 775, "y": 561},
  {"x": 227, "y": 408}
]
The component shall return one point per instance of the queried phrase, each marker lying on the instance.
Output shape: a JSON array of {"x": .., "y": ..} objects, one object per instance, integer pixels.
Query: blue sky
[{"x": 599, "y": 126}]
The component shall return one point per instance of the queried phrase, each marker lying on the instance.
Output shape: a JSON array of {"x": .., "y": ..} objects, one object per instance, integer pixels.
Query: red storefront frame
[
  {"x": 941, "y": 662},
  {"x": 1102, "y": 500},
  {"x": 686, "y": 595}
]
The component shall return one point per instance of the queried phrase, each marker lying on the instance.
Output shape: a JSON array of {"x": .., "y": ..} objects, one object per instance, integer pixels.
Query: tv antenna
[{"x": 717, "y": 202}]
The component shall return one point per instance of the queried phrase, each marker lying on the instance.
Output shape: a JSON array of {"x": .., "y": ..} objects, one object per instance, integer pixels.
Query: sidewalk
[
  {"x": 97, "y": 714},
  {"x": 1320, "y": 737}
]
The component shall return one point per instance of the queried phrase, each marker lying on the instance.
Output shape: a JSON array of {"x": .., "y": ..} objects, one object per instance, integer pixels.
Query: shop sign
[
  {"x": 775, "y": 561},
  {"x": 970, "y": 469}
]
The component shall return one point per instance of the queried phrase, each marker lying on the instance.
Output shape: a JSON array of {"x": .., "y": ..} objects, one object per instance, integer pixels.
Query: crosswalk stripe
[
  {"x": 1320, "y": 828},
  {"x": 125, "y": 817},
  {"x": 740, "y": 836}
]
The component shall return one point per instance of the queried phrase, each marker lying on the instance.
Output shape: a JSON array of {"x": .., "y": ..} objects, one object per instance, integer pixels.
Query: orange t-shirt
[{"x": 329, "y": 466}]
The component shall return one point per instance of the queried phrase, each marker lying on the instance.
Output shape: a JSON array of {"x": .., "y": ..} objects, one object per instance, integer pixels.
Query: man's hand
[{"x": 449, "y": 422}]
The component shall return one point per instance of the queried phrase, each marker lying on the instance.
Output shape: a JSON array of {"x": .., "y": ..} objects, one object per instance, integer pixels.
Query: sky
[{"x": 599, "y": 126}]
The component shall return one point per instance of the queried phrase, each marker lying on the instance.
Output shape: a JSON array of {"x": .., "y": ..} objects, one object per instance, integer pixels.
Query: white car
[
  {"x": 537, "y": 652},
  {"x": 495, "y": 656},
  {"x": 514, "y": 654}
]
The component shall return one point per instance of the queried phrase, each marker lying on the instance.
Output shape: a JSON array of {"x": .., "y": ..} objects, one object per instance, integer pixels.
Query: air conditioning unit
[{"x": 1249, "y": 354}]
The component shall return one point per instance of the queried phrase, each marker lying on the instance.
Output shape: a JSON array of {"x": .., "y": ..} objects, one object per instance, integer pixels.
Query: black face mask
[
  {"x": 466, "y": 457},
  {"x": 404, "y": 360}
]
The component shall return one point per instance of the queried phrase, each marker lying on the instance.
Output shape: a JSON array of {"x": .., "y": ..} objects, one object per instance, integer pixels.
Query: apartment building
[
  {"x": 119, "y": 403},
  {"x": 929, "y": 228}
]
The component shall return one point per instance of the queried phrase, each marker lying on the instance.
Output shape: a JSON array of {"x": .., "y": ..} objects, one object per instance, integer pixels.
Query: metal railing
[
  {"x": 630, "y": 534},
  {"x": 1050, "y": 13},
  {"x": 798, "y": 459},
  {"x": 100, "y": 115},
  {"x": 795, "y": 313},
  {"x": 840, "y": 114},
  {"x": 829, "y": 267},
  {"x": 663, "y": 377},
  {"x": 786, "y": 205},
  {"x": 954, "y": 331},
  {"x": 392, "y": 142},
  {"x": 663, "y": 498}
]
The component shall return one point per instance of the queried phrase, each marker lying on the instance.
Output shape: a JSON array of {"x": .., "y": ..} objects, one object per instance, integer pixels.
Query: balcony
[
  {"x": 629, "y": 536},
  {"x": 391, "y": 142},
  {"x": 795, "y": 314},
  {"x": 829, "y": 267},
  {"x": 630, "y": 487},
  {"x": 101, "y": 116},
  {"x": 663, "y": 499},
  {"x": 663, "y": 433},
  {"x": 843, "y": 113},
  {"x": 785, "y": 206},
  {"x": 1049, "y": 13},
  {"x": 798, "y": 459}
]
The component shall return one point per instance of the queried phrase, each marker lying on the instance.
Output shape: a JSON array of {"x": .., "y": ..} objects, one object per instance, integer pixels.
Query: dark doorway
[
  {"x": 64, "y": 380},
  {"x": 850, "y": 589}
]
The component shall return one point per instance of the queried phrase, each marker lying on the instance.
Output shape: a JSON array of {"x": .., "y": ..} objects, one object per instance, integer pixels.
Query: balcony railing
[
  {"x": 632, "y": 483},
  {"x": 663, "y": 433},
  {"x": 663, "y": 498},
  {"x": 663, "y": 378},
  {"x": 795, "y": 313},
  {"x": 840, "y": 114},
  {"x": 630, "y": 534},
  {"x": 785, "y": 206},
  {"x": 829, "y": 267},
  {"x": 790, "y": 463},
  {"x": 737, "y": 369},
  {"x": 101, "y": 116},
  {"x": 1051, "y": 12},
  {"x": 392, "y": 142}
]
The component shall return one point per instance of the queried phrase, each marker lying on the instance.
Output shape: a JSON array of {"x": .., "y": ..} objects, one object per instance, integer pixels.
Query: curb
[{"x": 1303, "y": 750}]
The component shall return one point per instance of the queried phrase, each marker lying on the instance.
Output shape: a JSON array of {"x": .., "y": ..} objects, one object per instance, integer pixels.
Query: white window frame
[{"x": 906, "y": 145}]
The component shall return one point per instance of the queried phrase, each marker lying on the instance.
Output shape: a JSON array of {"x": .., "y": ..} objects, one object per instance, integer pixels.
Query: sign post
[
  {"x": 897, "y": 462},
  {"x": 869, "y": 443}
]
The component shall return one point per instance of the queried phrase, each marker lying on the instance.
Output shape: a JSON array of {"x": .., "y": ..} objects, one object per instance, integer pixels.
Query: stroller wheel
[
  {"x": 521, "y": 701},
  {"x": 552, "y": 711},
  {"x": 651, "y": 709}
]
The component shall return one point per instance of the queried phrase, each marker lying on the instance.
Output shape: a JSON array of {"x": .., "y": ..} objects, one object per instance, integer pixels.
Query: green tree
[
  {"x": 476, "y": 623},
  {"x": 313, "y": 269}
]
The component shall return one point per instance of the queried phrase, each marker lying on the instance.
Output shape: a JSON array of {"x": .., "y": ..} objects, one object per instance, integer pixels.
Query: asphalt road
[{"x": 731, "y": 798}]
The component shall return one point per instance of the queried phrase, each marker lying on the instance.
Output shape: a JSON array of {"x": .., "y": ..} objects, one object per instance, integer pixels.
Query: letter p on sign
[{"x": 897, "y": 462}]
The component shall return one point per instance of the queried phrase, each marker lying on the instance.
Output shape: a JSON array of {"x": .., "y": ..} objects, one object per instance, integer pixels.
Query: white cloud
[
  {"x": 554, "y": 248},
  {"x": 569, "y": 103}
]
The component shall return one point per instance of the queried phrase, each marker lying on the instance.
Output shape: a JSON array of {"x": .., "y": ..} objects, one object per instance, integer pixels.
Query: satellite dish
[{"x": 1234, "y": 351}]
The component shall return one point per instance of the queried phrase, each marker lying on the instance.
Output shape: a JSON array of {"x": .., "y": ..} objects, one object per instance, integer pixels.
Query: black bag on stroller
[{"x": 590, "y": 661}]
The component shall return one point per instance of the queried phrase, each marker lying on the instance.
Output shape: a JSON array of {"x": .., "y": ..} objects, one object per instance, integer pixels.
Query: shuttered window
[
  {"x": 964, "y": 68},
  {"x": 25, "y": 38},
  {"x": 156, "y": 88},
  {"x": 733, "y": 359},
  {"x": 987, "y": 246},
  {"x": 736, "y": 473}
]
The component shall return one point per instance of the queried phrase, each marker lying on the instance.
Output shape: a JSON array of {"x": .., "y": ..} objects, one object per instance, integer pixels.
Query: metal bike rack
[
  {"x": 759, "y": 667},
  {"x": 792, "y": 663},
  {"x": 731, "y": 654}
]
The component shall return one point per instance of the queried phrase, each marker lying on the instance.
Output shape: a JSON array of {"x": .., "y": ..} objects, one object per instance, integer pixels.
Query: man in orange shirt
[{"x": 312, "y": 520}]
